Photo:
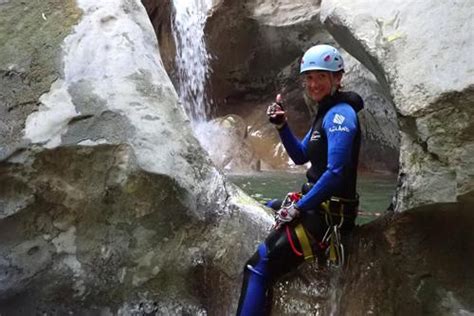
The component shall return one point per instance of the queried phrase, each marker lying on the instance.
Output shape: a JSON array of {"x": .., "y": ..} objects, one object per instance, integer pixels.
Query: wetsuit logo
[
  {"x": 339, "y": 128},
  {"x": 339, "y": 119},
  {"x": 315, "y": 136}
]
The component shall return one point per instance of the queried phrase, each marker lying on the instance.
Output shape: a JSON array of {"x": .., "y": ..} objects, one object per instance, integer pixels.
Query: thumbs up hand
[{"x": 275, "y": 112}]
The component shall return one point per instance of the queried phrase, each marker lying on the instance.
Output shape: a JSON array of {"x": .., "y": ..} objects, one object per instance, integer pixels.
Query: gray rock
[
  {"x": 252, "y": 41},
  {"x": 411, "y": 263},
  {"x": 227, "y": 142},
  {"x": 378, "y": 120},
  {"x": 160, "y": 16},
  {"x": 28, "y": 68},
  {"x": 431, "y": 84},
  {"x": 108, "y": 205}
]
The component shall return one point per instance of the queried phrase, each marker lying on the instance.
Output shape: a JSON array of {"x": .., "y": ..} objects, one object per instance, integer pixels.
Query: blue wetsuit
[
  {"x": 332, "y": 146},
  {"x": 340, "y": 125}
]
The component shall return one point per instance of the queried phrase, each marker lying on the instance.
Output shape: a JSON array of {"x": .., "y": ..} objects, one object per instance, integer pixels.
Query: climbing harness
[
  {"x": 302, "y": 236},
  {"x": 290, "y": 199},
  {"x": 304, "y": 242},
  {"x": 335, "y": 211}
]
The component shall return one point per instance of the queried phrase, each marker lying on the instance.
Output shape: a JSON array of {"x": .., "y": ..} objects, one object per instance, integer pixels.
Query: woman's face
[{"x": 319, "y": 83}]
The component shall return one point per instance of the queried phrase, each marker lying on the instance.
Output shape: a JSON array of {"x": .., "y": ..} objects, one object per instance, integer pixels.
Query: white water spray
[{"x": 192, "y": 58}]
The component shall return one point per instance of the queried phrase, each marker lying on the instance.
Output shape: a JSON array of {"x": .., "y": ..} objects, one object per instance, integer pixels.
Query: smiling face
[{"x": 320, "y": 83}]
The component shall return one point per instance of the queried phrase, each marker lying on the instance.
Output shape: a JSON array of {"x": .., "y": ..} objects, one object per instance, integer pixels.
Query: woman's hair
[{"x": 311, "y": 105}]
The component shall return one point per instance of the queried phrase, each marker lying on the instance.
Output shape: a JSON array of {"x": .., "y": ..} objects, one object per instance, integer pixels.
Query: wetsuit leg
[
  {"x": 254, "y": 288},
  {"x": 281, "y": 258},
  {"x": 273, "y": 259}
]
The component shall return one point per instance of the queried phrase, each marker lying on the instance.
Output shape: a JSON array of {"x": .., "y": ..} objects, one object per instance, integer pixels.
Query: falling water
[{"x": 192, "y": 58}]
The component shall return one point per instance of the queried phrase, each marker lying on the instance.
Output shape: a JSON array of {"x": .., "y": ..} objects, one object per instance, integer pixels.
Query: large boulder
[
  {"x": 423, "y": 59},
  {"x": 416, "y": 262},
  {"x": 107, "y": 202},
  {"x": 380, "y": 133}
]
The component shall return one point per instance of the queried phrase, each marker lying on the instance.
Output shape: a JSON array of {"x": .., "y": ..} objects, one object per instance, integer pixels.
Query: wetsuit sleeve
[
  {"x": 295, "y": 148},
  {"x": 340, "y": 126}
]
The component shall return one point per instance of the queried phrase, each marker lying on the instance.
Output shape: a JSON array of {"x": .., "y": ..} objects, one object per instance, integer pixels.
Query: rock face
[
  {"x": 160, "y": 13},
  {"x": 412, "y": 263},
  {"x": 380, "y": 133},
  {"x": 262, "y": 139},
  {"x": 433, "y": 91},
  {"x": 107, "y": 202},
  {"x": 227, "y": 142},
  {"x": 28, "y": 68},
  {"x": 269, "y": 35}
]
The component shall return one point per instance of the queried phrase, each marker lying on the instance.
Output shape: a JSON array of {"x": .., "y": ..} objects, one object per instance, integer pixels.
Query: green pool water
[{"x": 375, "y": 190}]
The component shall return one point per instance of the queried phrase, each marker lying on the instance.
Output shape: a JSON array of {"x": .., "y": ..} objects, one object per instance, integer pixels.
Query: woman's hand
[
  {"x": 275, "y": 112},
  {"x": 286, "y": 215}
]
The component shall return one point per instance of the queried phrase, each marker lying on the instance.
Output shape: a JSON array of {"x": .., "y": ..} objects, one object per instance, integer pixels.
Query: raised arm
[{"x": 295, "y": 148}]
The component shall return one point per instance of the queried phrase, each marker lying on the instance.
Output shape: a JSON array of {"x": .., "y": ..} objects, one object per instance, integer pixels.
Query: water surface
[{"x": 375, "y": 190}]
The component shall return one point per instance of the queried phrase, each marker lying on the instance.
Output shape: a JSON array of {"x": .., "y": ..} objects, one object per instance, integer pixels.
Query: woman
[{"x": 332, "y": 146}]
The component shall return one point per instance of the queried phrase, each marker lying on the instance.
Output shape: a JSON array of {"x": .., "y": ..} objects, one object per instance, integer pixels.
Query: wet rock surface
[
  {"x": 226, "y": 139},
  {"x": 160, "y": 13},
  {"x": 411, "y": 263}
]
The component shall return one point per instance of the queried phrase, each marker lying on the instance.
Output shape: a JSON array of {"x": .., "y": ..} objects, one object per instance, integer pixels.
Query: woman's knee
[{"x": 258, "y": 263}]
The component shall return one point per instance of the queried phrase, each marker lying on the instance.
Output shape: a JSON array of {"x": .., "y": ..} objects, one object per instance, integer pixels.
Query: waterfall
[
  {"x": 192, "y": 68},
  {"x": 192, "y": 58}
]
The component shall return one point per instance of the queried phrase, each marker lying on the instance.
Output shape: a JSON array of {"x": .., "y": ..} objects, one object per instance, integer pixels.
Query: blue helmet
[{"x": 322, "y": 57}]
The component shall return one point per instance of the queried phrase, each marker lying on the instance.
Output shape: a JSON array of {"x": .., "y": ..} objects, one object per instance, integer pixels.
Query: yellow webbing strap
[
  {"x": 304, "y": 242},
  {"x": 327, "y": 213},
  {"x": 325, "y": 206}
]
